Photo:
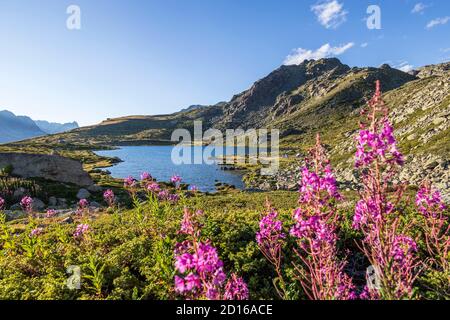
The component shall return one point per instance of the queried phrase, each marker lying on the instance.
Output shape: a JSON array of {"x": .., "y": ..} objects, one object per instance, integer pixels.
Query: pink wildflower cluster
[
  {"x": 27, "y": 204},
  {"x": 436, "y": 227},
  {"x": 321, "y": 273},
  {"x": 176, "y": 180},
  {"x": 429, "y": 202},
  {"x": 109, "y": 197},
  {"x": 236, "y": 289},
  {"x": 271, "y": 238},
  {"x": 145, "y": 176},
  {"x": 2, "y": 203},
  {"x": 81, "y": 231},
  {"x": 200, "y": 270}
]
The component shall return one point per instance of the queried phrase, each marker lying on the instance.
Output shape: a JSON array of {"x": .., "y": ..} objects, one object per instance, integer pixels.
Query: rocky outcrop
[{"x": 50, "y": 167}]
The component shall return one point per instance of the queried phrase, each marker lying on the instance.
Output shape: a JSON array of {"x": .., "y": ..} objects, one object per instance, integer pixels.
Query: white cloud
[
  {"x": 330, "y": 14},
  {"x": 326, "y": 51},
  {"x": 437, "y": 22},
  {"x": 404, "y": 66},
  {"x": 364, "y": 45},
  {"x": 419, "y": 8}
]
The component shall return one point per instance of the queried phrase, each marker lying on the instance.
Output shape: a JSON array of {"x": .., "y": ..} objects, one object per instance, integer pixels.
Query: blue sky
[{"x": 158, "y": 56}]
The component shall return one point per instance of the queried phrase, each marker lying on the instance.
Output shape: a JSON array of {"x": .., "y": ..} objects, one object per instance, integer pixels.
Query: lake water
[{"x": 157, "y": 161}]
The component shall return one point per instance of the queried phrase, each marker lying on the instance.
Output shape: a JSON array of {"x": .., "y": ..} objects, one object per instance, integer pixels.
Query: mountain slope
[{"x": 15, "y": 128}]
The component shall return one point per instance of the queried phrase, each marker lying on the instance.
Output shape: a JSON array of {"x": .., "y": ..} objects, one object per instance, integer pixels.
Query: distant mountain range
[
  {"x": 53, "y": 127},
  {"x": 16, "y": 128}
]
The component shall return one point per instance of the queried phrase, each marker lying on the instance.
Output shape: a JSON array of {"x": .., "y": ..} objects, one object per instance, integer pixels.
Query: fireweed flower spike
[
  {"x": 200, "y": 271},
  {"x": 2, "y": 203},
  {"x": 387, "y": 249},
  {"x": 129, "y": 182},
  {"x": 27, "y": 204},
  {"x": 321, "y": 273},
  {"x": 146, "y": 176},
  {"x": 271, "y": 240},
  {"x": 176, "y": 180},
  {"x": 109, "y": 197},
  {"x": 163, "y": 195},
  {"x": 436, "y": 227},
  {"x": 318, "y": 190}
]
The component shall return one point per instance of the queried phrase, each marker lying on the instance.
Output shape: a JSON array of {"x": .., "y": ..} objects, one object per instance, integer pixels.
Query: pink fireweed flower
[
  {"x": 109, "y": 197},
  {"x": 436, "y": 228},
  {"x": 36, "y": 232},
  {"x": 176, "y": 180},
  {"x": 192, "y": 282},
  {"x": 315, "y": 232},
  {"x": 271, "y": 240},
  {"x": 163, "y": 195},
  {"x": 402, "y": 249},
  {"x": 180, "y": 286},
  {"x": 403, "y": 253},
  {"x": 429, "y": 202},
  {"x": 2, "y": 203},
  {"x": 173, "y": 198},
  {"x": 129, "y": 182},
  {"x": 27, "y": 204},
  {"x": 153, "y": 187},
  {"x": 236, "y": 289},
  {"x": 382, "y": 146},
  {"x": 270, "y": 237},
  {"x": 146, "y": 176},
  {"x": 50, "y": 213},
  {"x": 378, "y": 161},
  {"x": 200, "y": 270},
  {"x": 83, "y": 204},
  {"x": 80, "y": 231},
  {"x": 204, "y": 268},
  {"x": 370, "y": 211}
]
